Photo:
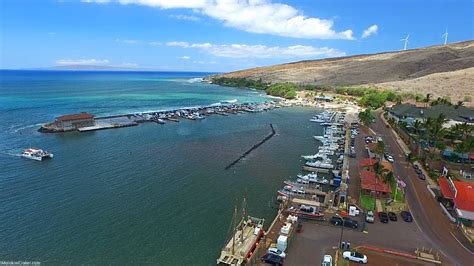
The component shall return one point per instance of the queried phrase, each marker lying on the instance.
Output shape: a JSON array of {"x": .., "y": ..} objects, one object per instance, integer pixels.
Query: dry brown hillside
[{"x": 412, "y": 70}]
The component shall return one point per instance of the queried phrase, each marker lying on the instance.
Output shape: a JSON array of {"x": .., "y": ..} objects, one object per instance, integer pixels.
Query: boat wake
[
  {"x": 12, "y": 152},
  {"x": 17, "y": 129}
]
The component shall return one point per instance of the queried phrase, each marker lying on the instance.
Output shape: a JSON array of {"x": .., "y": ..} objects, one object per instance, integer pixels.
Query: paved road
[{"x": 425, "y": 209}]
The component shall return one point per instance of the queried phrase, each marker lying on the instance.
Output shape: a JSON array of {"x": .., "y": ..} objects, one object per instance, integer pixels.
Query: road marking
[{"x": 461, "y": 244}]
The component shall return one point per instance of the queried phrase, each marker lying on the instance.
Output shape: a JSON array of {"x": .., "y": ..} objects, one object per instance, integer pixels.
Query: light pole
[{"x": 342, "y": 230}]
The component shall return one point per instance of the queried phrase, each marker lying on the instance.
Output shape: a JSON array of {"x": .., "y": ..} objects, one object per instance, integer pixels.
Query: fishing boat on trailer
[
  {"x": 246, "y": 236},
  {"x": 306, "y": 209},
  {"x": 307, "y": 212}
]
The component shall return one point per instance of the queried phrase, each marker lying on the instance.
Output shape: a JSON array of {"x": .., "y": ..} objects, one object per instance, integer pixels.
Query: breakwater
[{"x": 269, "y": 136}]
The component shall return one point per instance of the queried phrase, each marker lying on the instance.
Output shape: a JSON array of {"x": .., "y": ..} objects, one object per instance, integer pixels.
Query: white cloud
[
  {"x": 186, "y": 17},
  {"x": 256, "y": 16},
  {"x": 178, "y": 44},
  {"x": 370, "y": 31},
  {"x": 155, "y": 43},
  {"x": 91, "y": 61},
  {"x": 96, "y": 1},
  {"x": 127, "y": 64},
  {"x": 184, "y": 57},
  {"x": 260, "y": 51},
  {"x": 127, "y": 41}
]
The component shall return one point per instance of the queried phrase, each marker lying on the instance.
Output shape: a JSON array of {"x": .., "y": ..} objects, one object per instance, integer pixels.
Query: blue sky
[{"x": 218, "y": 35}]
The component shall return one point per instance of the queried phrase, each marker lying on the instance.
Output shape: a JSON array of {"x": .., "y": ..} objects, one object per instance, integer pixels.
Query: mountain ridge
[{"x": 380, "y": 70}]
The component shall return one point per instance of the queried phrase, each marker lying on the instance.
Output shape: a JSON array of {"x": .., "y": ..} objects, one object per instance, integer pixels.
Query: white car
[
  {"x": 354, "y": 256},
  {"x": 389, "y": 158},
  {"x": 277, "y": 252},
  {"x": 327, "y": 260},
  {"x": 369, "y": 217}
]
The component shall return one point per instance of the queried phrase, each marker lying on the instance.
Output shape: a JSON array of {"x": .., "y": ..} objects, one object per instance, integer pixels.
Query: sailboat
[{"x": 245, "y": 238}]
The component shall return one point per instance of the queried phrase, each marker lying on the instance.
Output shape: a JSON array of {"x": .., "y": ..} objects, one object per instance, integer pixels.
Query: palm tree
[
  {"x": 465, "y": 147},
  {"x": 379, "y": 149},
  {"x": 458, "y": 104},
  {"x": 417, "y": 126},
  {"x": 379, "y": 170},
  {"x": 427, "y": 99},
  {"x": 465, "y": 130},
  {"x": 388, "y": 177},
  {"x": 436, "y": 131}
]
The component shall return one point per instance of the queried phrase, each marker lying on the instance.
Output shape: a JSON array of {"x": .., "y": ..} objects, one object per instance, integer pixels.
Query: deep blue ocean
[{"x": 152, "y": 194}]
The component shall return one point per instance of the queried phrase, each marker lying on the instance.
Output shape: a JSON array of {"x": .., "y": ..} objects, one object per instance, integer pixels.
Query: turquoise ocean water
[{"x": 155, "y": 194}]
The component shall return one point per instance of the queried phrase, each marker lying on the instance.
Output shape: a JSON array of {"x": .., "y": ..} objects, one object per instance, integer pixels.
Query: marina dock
[{"x": 84, "y": 122}]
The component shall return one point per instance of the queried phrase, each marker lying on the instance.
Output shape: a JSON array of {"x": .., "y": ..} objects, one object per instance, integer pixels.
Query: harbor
[
  {"x": 84, "y": 122},
  {"x": 318, "y": 190}
]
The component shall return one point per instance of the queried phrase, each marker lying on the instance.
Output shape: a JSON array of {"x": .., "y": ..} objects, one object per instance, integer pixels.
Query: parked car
[
  {"x": 272, "y": 259},
  {"x": 383, "y": 217},
  {"x": 348, "y": 222},
  {"x": 389, "y": 158},
  {"x": 327, "y": 260},
  {"x": 406, "y": 215},
  {"x": 354, "y": 256},
  {"x": 277, "y": 252},
  {"x": 369, "y": 217},
  {"x": 421, "y": 176},
  {"x": 392, "y": 216}
]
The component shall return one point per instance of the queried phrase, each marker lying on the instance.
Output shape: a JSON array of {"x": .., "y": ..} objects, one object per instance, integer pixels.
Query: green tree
[
  {"x": 366, "y": 117},
  {"x": 379, "y": 149}
]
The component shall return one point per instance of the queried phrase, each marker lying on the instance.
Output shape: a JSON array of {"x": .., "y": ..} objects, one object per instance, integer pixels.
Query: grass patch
[
  {"x": 399, "y": 197},
  {"x": 340, "y": 260},
  {"x": 367, "y": 201}
]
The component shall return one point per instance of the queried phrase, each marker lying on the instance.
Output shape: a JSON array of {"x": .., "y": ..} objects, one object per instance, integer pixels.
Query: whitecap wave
[
  {"x": 231, "y": 101},
  {"x": 216, "y": 104},
  {"x": 195, "y": 80}
]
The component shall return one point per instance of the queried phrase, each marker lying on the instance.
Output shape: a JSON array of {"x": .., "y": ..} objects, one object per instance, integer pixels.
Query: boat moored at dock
[{"x": 246, "y": 236}]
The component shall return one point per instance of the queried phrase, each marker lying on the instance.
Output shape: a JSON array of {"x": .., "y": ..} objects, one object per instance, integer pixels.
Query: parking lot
[
  {"x": 320, "y": 238},
  {"x": 377, "y": 259}
]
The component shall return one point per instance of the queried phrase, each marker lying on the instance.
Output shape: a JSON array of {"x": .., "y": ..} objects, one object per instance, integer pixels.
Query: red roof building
[
  {"x": 367, "y": 162},
  {"x": 462, "y": 195},
  {"x": 72, "y": 117},
  {"x": 370, "y": 182}
]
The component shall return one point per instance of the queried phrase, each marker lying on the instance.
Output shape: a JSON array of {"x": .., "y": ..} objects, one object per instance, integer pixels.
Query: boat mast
[
  {"x": 243, "y": 220},
  {"x": 234, "y": 226}
]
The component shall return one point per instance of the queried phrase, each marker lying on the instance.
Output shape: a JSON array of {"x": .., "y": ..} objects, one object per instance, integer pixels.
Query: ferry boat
[
  {"x": 246, "y": 236},
  {"x": 36, "y": 154}
]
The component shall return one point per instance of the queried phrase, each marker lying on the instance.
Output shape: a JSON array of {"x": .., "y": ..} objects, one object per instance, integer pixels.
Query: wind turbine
[
  {"x": 445, "y": 35},
  {"x": 406, "y": 41}
]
